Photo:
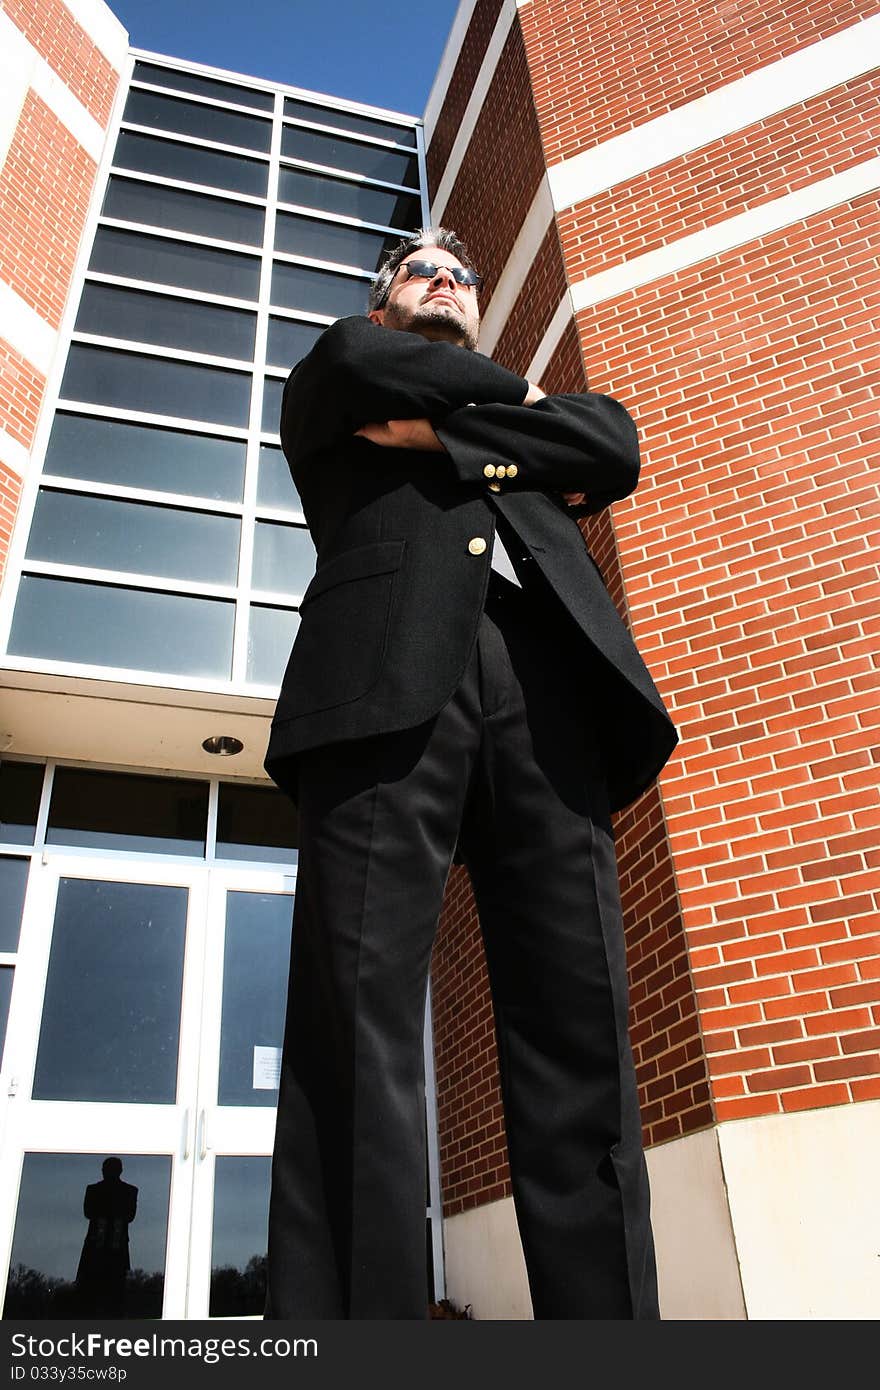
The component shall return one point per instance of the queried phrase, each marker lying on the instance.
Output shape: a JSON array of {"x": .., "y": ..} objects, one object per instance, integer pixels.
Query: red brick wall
[
  {"x": 54, "y": 33},
  {"x": 601, "y": 70},
  {"x": 45, "y": 187},
  {"x": 501, "y": 170},
  {"x": 461, "y": 83},
  {"x": 21, "y": 390},
  {"x": 535, "y": 306},
  {"x": 746, "y": 169},
  {"x": 751, "y": 574},
  {"x": 10, "y": 492}
]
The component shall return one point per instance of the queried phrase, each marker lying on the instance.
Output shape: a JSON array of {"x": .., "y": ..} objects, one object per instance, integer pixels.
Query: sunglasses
[{"x": 426, "y": 270}]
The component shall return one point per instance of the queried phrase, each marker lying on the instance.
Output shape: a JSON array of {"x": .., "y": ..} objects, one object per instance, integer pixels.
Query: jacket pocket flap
[{"x": 381, "y": 558}]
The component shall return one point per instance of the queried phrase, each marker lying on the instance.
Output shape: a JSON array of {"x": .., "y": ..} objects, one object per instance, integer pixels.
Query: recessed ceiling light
[{"x": 224, "y": 745}]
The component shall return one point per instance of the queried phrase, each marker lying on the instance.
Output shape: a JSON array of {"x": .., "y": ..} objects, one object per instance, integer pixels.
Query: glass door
[
  {"x": 101, "y": 1080},
  {"x": 245, "y": 997}
]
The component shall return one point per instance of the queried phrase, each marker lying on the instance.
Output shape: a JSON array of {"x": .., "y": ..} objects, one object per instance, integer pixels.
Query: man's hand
[
  {"x": 574, "y": 499},
  {"x": 403, "y": 434},
  {"x": 533, "y": 394}
]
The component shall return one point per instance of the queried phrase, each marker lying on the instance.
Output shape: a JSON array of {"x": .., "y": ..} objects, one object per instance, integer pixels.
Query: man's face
[{"x": 437, "y": 308}]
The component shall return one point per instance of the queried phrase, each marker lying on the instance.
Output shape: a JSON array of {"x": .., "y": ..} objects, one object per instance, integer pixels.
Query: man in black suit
[{"x": 460, "y": 681}]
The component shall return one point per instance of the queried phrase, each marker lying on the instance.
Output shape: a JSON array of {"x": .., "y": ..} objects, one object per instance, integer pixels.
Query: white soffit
[{"x": 771, "y": 89}]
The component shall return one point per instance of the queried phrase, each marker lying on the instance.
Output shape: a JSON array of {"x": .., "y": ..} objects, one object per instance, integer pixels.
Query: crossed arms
[{"x": 399, "y": 390}]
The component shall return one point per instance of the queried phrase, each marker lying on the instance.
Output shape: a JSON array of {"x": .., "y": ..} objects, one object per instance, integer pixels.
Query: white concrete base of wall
[
  {"x": 804, "y": 1194},
  {"x": 484, "y": 1263},
  {"x": 772, "y": 1218}
]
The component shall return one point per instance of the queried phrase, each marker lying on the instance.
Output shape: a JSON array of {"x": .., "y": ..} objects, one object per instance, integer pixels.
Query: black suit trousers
[{"x": 509, "y": 770}]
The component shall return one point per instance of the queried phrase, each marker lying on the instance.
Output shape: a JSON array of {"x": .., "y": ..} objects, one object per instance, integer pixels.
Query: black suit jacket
[{"x": 390, "y": 618}]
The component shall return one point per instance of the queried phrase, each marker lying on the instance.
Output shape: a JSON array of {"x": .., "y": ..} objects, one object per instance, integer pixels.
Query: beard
[{"x": 441, "y": 322}]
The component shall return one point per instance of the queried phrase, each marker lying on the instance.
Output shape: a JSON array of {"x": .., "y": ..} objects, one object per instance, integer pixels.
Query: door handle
[
  {"x": 185, "y": 1153},
  {"x": 203, "y": 1134}
]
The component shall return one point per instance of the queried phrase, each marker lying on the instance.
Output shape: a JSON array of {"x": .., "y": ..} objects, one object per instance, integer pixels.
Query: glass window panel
[
  {"x": 391, "y": 166},
  {"x": 290, "y": 340},
  {"x": 275, "y": 487},
  {"x": 65, "y": 1265},
  {"x": 135, "y": 629},
  {"x": 13, "y": 882},
  {"x": 348, "y": 120},
  {"x": 327, "y": 194},
  {"x": 127, "y": 811},
  {"x": 111, "y": 1010},
  {"x": 6, "y": 976},
  {"x": 318, "y": 291},
  {"x": 256, "y": 823},
  {"x": 138, "y": 257},
  {"x": 331, "y": 241},
  {"x": 72, "y": 528},
  {"x": 270, "y": 637},
  {"x": 182, "y": 211},
  {"x": 148, "y": 154},
  {"x": 203, "y": 86},
  {"x": 273, "y": 390},
  {"x": 238, "y": 1249},
  {"x": 103, "y": 376},
  {"x": 21, "y": 785},
  {"x": 254, "y": 996},
  {"x": 191, "y": 118},
  {"x": 142, "y": 317},
  {"x": 113, "y": 451},
  {"x": 284, "y": 557}
]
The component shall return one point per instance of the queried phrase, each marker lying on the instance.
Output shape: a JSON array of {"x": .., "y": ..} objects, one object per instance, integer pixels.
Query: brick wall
[
  {"x": 601, "y": 70},
  {"x": 45, "y": 187},
  {"x": 461, "y": 83},
  {"x": 501, "y": 170},
  {"x": 491, "y": 195},
  {"x": 746, "y": 169},
  {"x": 51, "y": 29},
  {"x": 751, "y": 575},
  {"x": 10, "y": 493},
  {"x": 46, "y": 183},
  {"x": 21, "y": 391}
]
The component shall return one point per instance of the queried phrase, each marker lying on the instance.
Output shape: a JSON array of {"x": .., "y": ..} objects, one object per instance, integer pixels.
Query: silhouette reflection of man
[{"x": 109, "y": 1207}]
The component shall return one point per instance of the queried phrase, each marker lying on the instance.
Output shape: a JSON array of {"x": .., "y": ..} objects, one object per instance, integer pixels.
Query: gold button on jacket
[
  {"x": 512, "y": 470},
  {"x": 476, "y": 545},
  {"x": 489, "y": 470}
]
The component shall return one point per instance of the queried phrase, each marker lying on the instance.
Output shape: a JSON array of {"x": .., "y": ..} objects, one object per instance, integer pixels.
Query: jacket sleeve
[
  {"x": 568, "y": 443},
  {"x": 358, "y": 372}
]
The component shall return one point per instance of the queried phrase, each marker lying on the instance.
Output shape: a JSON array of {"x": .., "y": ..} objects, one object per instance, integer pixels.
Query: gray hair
[{"x": 440, "y": 237}]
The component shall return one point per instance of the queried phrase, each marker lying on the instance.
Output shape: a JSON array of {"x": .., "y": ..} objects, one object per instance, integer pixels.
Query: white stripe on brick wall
[
  {"x": 473, "y": 109},
  {"x": 724, "y": 236},
  {"x": 13, "y": 454},
  {"x": 22, "y": 67},
  {"x": 102, "y": 27},
  {"x": 24, "y": 329},
  {"x": 712, "y": 241},
  {"x": 771, "y": 89},
  {"x": 512, "y": 278}
]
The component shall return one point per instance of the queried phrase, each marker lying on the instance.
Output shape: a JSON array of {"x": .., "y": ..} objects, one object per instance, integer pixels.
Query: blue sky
[{"x": 385, "y": 53}]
